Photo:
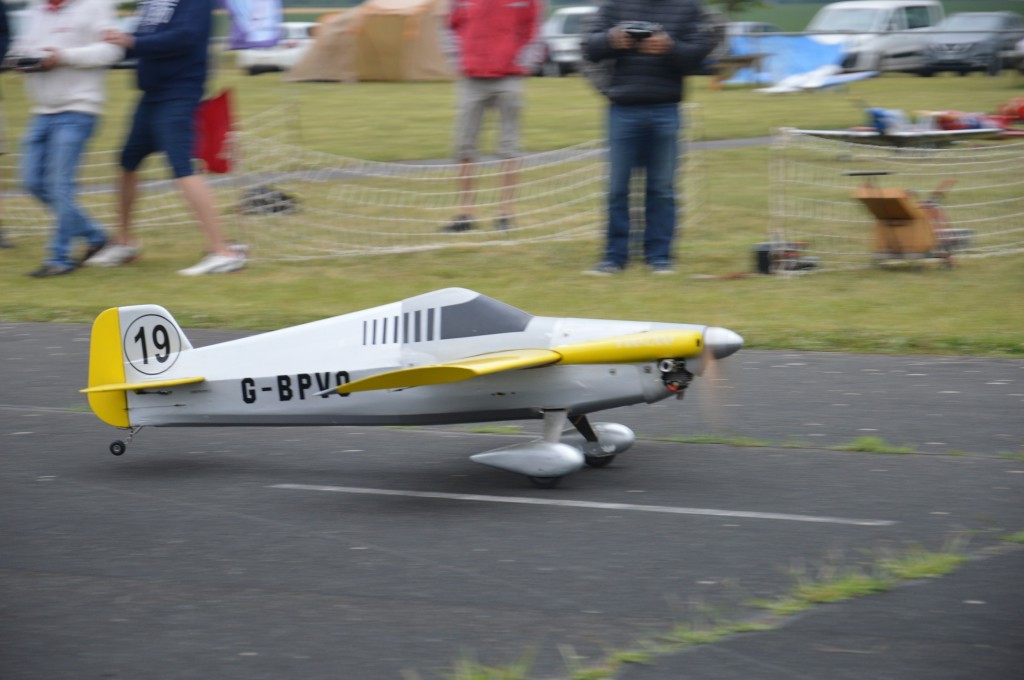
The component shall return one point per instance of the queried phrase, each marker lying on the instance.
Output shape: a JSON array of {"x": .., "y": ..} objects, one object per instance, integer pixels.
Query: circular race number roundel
[{"x": 151, "y": 344}]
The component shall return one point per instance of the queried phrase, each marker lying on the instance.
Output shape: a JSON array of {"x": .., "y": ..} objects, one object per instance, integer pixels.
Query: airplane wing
[
  {"x": 819, "y": 79},
  {"x": 622, "y": 349},
  {"x": 451, "y": 371},
  {"x": 902, "y": 138},
  {"x": 149, "y": 385}
]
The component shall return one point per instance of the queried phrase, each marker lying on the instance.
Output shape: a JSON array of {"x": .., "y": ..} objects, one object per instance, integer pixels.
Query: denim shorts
[{"x": 166, "y": 126}]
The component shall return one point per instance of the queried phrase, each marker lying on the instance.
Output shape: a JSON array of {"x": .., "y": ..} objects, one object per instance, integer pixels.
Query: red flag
[{"x": 214, "y": 123}]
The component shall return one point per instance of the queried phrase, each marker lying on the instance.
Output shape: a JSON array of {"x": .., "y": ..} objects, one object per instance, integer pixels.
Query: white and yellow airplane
[{"x": 450, "y": 356}]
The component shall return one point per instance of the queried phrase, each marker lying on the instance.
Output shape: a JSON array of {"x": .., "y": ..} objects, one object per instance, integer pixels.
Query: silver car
[
  {"x": 972, "y": 41},
  {"x": 561, "y": 36}
]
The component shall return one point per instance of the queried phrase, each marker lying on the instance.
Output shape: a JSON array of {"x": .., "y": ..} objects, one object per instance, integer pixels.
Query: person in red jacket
[{"x": 494, "y": 39}]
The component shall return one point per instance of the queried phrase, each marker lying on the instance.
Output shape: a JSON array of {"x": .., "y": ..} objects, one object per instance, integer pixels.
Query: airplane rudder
[
  {"x": 131, "y": 344},
  {"x": 150, "y": 341},
  {"x": 106, "y": 366}
]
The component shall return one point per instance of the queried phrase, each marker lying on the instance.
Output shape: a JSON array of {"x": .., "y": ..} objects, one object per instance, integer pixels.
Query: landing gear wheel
[
  {"x": 598, "y": 461},
  {"x": 118, "y": 447},
  {"x": 545, "y": 482}
]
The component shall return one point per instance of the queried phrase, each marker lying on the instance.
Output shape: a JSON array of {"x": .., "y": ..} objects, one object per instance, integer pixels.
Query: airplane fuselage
[{"x": 286, "y": 377}]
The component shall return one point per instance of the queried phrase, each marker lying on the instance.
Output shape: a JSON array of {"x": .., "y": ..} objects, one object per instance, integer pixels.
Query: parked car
[
  {"x": 972, "y": 41},
  {"x": 750, "y": 28},
  {"x": 878, "y": 35},
  {"x": 560, "y": 41},
  {"x": 296, "y": 38}
]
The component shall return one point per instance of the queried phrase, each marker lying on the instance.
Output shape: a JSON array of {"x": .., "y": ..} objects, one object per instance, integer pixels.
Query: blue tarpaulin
[{"x": 785, "y": 55}]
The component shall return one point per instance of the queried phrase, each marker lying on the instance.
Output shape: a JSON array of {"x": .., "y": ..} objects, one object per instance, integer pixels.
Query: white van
[
  {"x": 561, "y": 36},
  {"x": 879, "y": 35}
]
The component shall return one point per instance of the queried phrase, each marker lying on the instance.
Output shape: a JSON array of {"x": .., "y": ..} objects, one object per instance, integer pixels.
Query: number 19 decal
[{"x": 152, "y": 344}]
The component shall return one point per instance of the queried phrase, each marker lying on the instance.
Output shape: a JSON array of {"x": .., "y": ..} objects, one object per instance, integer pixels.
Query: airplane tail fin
[{"x": 131, "y": 346}]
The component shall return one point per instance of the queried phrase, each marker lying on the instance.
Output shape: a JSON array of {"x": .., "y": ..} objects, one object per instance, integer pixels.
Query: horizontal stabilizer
[{"x": 149, "y": 385}]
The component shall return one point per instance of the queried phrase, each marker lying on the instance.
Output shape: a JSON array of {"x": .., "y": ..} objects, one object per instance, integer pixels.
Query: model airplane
[
  {"x": 892, "y": 127},
  {"x": 450, "y": 356},
  {"x": 821, "y": 78}
]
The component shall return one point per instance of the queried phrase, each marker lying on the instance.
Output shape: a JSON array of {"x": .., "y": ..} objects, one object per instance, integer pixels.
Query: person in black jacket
[{"x": 648, "y": 47}]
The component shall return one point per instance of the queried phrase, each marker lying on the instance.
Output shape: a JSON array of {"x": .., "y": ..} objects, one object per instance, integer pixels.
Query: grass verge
[
  {"x": 1014, "y": 538},
  {"x": 873, "y": 445},
  {"x": 832, "y": 582}
]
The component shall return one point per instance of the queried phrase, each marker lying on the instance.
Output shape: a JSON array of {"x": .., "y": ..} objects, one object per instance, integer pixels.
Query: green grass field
[{"x": 973, "y": 309}]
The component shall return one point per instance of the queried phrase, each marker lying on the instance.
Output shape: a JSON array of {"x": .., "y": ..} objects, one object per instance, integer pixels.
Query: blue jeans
[
  {"x": 52, "y": 149},
  {"x": 642, "y": 136}
]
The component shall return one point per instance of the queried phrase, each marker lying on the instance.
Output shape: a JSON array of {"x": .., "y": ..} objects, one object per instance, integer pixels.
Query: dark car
[
  {"x": 735, "y": 28},
  {"x": 972, "y": 41}
]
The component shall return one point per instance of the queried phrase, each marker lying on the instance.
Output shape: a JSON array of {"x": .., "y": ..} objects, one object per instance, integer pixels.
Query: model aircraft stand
[{"x": 906, "y": 228}]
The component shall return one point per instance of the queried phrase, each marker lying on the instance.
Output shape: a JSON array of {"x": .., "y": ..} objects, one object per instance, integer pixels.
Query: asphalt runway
[{"x": 362, "y": 553}]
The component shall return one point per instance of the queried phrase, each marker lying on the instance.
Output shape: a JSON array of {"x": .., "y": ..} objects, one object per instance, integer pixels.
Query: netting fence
[
  {"x": 286, "y": 202},
  {"x": 812, "y": 196}
]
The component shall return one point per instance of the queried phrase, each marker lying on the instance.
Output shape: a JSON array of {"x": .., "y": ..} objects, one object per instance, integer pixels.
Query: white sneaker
[
  {"x": 215, "y": 264},
  {"x": 114, "y": 255}
]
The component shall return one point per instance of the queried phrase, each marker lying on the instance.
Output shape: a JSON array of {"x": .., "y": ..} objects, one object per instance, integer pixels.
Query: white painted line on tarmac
[{"x": 592, "y": 505}]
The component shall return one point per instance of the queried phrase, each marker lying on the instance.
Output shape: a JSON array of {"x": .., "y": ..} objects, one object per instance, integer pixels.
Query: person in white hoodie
[{"x": 67, "y": 87}]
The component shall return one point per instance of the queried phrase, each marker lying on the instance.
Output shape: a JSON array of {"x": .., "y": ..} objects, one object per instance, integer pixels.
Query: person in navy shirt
[{"x": 171, "y": 44}]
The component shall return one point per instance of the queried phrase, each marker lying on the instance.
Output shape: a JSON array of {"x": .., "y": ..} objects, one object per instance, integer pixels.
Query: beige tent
[{"x": 380, "y": 40}]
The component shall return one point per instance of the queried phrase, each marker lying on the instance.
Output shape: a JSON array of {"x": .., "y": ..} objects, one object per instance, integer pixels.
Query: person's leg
[
  {"x": 123, "y": 247},
  {"x": 127, "y": 191},
  {"x": 34, "y": 156},
  {"x": 71, "y": 133},
  {"x": 472, "y": 100},
  {"x": 36, "y": 159},
  {"x": 509, "y": 103},
  {"x": 660, "y": 198},
  {"x": 624, "y": 133},
  {"x": 220, "y": 259},
  {"x": 464, "y": 219},
  {"x": 174, "y": 132},
  {"x": 175, "y": 135},
  {"x": 200, "y": 200},
  {"x": 139, "y": 143}
]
